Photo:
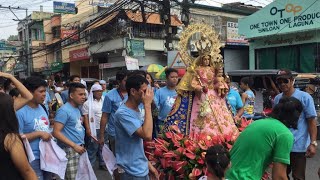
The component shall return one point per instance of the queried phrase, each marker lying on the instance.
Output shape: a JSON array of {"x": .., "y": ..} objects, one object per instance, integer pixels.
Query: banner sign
[
  {"x": 132, "y": 63},
  {"x": 233, "y": 37},
  {"x": 64, "y": 8},
  {"x": 79, "y": 54},
  {"x": 56, "y": 66},
  {"x": 4, "y": 46},
  {"x": 68, "y": 32},
  {"x": 135, "y": 48},
  {"x": 282, "y": 17}
]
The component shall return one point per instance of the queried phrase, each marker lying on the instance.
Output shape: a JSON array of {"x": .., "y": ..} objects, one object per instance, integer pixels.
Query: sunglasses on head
[{"x": 280, "y": 81}]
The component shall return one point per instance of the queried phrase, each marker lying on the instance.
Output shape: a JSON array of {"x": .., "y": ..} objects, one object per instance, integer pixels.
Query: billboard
[
  {"x": 233, "y": 37},
  {"x": 68, "y": 32},
  {"x": 38, "y": 15},
  {"x": 64, "y": 8}
]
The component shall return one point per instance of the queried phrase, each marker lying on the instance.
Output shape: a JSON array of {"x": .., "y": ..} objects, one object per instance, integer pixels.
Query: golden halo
[{"x": 209, "y": 33}]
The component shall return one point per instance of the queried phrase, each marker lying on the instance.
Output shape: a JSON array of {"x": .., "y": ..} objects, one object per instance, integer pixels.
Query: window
[
  {"x": 37, "y": 34},
  {"x": 303, "y": 58}
]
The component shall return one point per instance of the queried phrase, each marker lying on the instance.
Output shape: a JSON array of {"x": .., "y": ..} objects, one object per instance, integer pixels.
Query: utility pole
[
  {"x": 166, "y": 17},
  {"x": 26, "y": 37}
]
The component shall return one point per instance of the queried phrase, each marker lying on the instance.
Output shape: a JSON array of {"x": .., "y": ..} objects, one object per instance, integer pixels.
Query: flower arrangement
[{"x": 176, "y": 156}]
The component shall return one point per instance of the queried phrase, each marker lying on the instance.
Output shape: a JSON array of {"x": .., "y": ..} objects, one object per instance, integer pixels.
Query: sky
[{"x": 9, "y": 27}]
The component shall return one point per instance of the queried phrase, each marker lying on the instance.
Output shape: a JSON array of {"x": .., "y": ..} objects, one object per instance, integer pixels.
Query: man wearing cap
[
  {"x": 103, "y": 84},
  {"x": 305, "y": 136},
  {"x": 92, "y": 114}
]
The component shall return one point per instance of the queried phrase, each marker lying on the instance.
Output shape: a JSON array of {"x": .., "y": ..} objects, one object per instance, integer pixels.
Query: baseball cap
[
  {"x": 96, "y": 87},
  {"x": 285, "y": 74},
  {"x": 102, "y": 82}
]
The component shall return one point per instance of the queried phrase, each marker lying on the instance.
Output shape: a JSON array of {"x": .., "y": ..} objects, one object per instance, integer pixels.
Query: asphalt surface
[{"x": 311, "y": 172}]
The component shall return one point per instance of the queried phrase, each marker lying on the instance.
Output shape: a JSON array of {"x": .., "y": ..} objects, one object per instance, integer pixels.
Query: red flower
[
  {"x": 169, "y": 135},
  {"x": 158, "y": 152},
  {"x": 178, "y": 165},
  {"x": 196, "y": 172},
  {"x": 200, "y": 161},
  {"x": 190, "y": 155},
  {"x": 169, "y": 154}
]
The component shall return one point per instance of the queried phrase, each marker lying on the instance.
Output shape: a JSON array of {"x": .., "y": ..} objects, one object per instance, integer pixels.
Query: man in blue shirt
[
  {"x": 65, "y": 93},
  {"x": 68, "y": 128},
  {"x": 305, "y": 144},
  {"x": 34, "y": 122},
  {"x": 131, "y": 130},
  {"x": 235, "y": 101},
  {"x": 166, "y": 96},
  {"x": 111, "y": 103}
]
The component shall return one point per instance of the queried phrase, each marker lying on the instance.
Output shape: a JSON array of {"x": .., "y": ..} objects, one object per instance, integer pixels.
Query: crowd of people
[{"x": 137, "y": 109}]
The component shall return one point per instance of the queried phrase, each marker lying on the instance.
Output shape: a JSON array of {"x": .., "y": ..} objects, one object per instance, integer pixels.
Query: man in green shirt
[{"x": 266, "y": 141}]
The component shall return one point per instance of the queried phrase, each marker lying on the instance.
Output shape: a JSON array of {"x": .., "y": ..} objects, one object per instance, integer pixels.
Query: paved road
[{"x": 311, "y": 173}]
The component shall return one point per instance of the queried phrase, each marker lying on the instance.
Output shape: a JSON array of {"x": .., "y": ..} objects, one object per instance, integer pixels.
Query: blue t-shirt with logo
[
  {"x": 31, "y": 120},
  {"x": 234, "y": 100},
  {"x": 71, "y": 118},
  {"x": 111, "y": 103},
  {"x": 249, "y": 105},
  {"x": 164, "y": 100},
  {"x": 301, "y": 135},
  {"x": 129, "y": 146}
]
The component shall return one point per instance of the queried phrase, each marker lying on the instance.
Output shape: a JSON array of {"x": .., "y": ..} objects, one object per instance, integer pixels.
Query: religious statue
[{"x": 201, "y": 106}]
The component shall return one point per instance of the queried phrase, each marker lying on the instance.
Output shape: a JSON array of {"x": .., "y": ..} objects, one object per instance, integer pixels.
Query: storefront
[
  {"x": 80, "y": 64},
  {"x": 284, "y": 35}
]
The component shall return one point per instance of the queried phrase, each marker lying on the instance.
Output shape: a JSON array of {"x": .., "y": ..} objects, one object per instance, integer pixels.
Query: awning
[
  {"x": 102, "y": 21},
  {"x": 152, "y": 18}
]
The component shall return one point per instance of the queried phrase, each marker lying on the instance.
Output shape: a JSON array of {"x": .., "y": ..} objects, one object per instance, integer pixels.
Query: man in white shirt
[{"x": 92, "y": 115}]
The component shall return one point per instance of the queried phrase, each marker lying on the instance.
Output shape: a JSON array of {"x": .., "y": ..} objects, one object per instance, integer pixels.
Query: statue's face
[{"x": 206, "y": 60}]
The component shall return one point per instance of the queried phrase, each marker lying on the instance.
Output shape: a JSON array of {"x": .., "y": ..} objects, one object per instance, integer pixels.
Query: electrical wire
[{"x": 103, "y": 15}]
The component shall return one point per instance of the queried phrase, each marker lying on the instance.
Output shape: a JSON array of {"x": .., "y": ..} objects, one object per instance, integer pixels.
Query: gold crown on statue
[{"x": 204, "y": 45}]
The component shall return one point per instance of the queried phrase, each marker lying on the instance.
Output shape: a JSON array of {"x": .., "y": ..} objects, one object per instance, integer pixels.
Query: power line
[{"x": 100, "y": 17}]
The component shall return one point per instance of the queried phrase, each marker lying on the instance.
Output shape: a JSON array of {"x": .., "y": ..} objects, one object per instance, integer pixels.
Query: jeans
[
  {"x": 126, "y": 176},
  {"x": 95, "y": 149},
  {"x": 42, "y": 175}
]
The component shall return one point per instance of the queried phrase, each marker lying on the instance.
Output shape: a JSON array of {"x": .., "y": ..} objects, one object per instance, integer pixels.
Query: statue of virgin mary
[{"x": 201, "y": 107}]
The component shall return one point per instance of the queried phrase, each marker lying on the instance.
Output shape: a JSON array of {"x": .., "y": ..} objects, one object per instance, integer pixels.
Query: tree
[{"x": 13, "y": 38}]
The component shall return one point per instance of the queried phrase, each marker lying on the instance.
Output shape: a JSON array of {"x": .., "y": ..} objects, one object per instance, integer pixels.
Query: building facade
[
  {"x": 284, "y": 35},
  {"x": 224, "y": 20}
]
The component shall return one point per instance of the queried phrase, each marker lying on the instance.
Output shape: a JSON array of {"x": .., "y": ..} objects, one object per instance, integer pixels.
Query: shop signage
[
  {"x": 105, "y": 66},
  {"x": 131, "y": 63},
  {"x": 135, "y": 48},
  {"x": 64, "y": 8},
  {"x": 279, "y": 17},
  {"x": 79, "y": 54},
  {"x": 56, "y": 66},
  {"x": 288, "y": 40},
  {"x": 4, "y": 46},
  {"x": 101, "y": 3},
  {"x": 39, "y": 15},
  {"x": 69, "y": 32},
  {"x": 233, "y": 37}
]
